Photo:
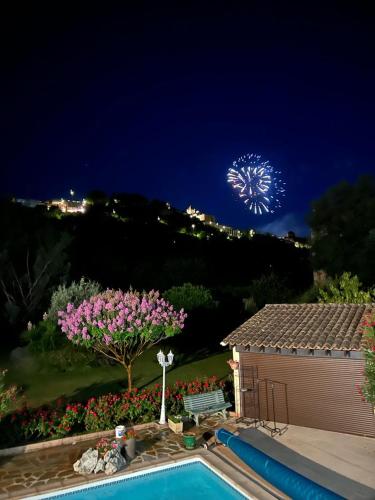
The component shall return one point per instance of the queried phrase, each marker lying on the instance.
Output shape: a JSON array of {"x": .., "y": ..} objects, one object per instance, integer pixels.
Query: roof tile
[{"x": 304, "y": 326}]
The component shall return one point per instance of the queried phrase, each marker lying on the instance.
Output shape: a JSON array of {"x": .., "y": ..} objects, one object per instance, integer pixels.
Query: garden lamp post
[{"x": 163, "y": 363}]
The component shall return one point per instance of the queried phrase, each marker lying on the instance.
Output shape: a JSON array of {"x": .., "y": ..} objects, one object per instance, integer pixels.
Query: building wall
[{"x": 316, "y": 392}]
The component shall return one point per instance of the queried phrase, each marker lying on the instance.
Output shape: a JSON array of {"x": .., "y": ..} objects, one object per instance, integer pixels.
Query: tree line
[{"x": 125, "y": 240}]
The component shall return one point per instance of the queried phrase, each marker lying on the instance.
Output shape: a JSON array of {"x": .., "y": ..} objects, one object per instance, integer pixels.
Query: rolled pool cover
[{"x": 282, "y": 477}]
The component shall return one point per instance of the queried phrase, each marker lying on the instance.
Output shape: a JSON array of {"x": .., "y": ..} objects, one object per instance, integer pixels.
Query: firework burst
[{"x": 257, "y": 182}]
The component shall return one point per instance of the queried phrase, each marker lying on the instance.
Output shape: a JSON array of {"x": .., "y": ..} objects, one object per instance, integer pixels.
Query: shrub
[
  {"x": 190, "y": 297},
  {"x": 45, "y": 336},
  {"x": 46, "y": 340},
  {"x": 7, "y": 394},
  {"x": 75, "y": 294},
  {"x": 269, "y": 289},
  {"x": 72, "y": 420},
  {"x": 346, "y": 289},
  {"x": 368, "y": 388},
  {"x": 69, "y": 357}
]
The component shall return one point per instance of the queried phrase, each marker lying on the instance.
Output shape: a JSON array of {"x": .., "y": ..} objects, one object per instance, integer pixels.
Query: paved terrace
[
  {"x": 340, "y": 462},
  {"x": 49, "y": 468}
]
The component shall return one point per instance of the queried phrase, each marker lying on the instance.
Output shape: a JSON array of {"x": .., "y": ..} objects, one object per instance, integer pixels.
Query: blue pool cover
[{"x": 285, "y": 479}]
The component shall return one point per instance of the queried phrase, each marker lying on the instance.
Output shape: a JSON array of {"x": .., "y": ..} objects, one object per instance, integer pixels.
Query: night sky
[{"x": 160, "y": 99}]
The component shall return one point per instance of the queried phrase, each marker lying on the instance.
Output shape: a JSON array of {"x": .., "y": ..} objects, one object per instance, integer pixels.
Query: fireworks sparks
[{"x": 258, "y": 184}]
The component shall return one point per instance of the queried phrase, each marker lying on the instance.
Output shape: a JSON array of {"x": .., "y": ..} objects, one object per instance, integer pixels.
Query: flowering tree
[
  {"x": 368, "y": 388},
  {"x": 121, "y": 325}
]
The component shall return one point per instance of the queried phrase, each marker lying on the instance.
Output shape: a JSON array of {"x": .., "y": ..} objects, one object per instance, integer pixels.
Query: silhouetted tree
[{"x": 343, "y": 230}]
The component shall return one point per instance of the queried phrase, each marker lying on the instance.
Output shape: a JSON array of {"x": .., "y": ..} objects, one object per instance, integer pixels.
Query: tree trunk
[{"x": 129, "y": 370}]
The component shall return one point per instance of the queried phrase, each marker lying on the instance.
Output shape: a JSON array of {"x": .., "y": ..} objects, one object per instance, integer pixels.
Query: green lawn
[{"x": 41, "y": 384}]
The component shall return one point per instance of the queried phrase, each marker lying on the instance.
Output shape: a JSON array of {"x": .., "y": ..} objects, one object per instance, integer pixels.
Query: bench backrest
[{"x": 200, "y": 402}]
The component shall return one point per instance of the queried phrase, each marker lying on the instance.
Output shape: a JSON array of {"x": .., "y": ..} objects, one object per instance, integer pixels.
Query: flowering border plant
[
  {"x": 104, "y": 445},
  {"x": 129, "y": 434},
  {"x": 368, "y": 388},
  {"x": 102, "y": 413}
]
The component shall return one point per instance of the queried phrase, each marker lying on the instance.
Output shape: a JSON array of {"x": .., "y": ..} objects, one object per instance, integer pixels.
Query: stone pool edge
[{"x": 238, "y": 480}]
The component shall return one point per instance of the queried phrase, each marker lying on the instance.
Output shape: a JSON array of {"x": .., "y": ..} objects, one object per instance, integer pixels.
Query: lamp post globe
[{"x": 161, "y": 358}]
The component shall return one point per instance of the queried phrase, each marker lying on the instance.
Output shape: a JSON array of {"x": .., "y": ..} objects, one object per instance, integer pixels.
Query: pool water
[{"x": 193, "y": 480}]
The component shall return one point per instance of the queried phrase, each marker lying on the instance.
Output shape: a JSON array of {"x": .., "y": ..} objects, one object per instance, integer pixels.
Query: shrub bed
[{"x": 97, "y": 414}]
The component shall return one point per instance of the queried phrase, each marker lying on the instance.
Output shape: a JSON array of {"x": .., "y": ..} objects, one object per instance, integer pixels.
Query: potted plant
[
  {"x": 176, "y": 423},
  {"x": 104, "y": 445},
  {"x": 190, "y": 440},
  {"x": 233, "y": 364},
  {"x": 130, "y": 443}
]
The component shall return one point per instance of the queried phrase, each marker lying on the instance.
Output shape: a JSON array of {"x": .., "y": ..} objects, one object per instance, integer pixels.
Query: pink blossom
[{"x": 118, "y": 313}]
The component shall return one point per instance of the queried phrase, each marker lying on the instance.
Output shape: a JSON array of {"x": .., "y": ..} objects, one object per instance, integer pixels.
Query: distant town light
[{"x": 71, "y": 192}]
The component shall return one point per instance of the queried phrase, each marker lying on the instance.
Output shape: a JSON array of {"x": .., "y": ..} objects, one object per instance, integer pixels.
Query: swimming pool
[{"x": 180, "y": 481}]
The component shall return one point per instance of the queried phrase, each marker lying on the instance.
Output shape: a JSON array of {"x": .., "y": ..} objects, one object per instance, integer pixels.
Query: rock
[
  {"x": 90, "y": 462},
  {"x": 114, "y": 461},
  {"x": 87, "y": 463},
  {"x": 100, "y": 466},
  {"x": 76, "y": 465}
]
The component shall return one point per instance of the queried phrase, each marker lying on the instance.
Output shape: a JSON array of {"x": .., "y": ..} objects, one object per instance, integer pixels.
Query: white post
[
  {"x": 163, "y": 363},
  {"x": 162, "y": 413}
]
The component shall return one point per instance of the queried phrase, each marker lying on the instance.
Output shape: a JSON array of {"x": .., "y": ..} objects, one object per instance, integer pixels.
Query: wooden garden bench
[{"x": 206, "y": 403}]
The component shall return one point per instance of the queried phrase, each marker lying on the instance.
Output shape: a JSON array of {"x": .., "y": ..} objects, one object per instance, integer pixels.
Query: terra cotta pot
[{"x": 233, "y": 364}]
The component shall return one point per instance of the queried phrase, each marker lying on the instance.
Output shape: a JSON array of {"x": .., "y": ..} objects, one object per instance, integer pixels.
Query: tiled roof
[{"x": 303, "y": 326}]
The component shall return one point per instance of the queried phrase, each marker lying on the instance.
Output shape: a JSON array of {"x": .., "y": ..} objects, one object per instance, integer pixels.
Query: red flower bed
[{"x": 97, "y": 414}]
